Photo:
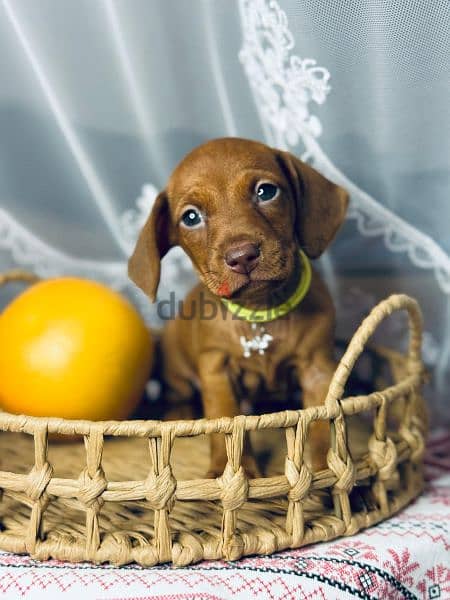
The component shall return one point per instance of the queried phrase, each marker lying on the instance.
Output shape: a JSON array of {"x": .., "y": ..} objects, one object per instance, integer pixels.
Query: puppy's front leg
[
  {"x": 315, "y": 375},
  {"x": 219, "y": 401}
]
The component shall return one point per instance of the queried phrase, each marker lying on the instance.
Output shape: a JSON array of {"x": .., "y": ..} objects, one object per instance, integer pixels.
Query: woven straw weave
[{"x": 135, "y": 492}]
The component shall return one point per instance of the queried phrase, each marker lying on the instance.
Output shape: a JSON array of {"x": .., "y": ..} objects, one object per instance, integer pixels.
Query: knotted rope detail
[
  {"x": 38, "y": 480},
  {"x": 384, "y": 455},
  {"x": 91, "y": 488},
  {"x": 160, "y": 489},
  {"x": 414, "y": 438},
  {"x": 344, "y": 471},
  {"x": 299, "y": 480},
  {"x": 234, "y": 488}
]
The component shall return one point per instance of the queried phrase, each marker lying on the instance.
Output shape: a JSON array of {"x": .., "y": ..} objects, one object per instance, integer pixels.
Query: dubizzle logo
[{"x": 204, "y": 308}]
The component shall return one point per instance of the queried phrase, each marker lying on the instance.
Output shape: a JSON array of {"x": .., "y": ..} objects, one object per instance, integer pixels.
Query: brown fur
[{"x": 219, "y": 178}]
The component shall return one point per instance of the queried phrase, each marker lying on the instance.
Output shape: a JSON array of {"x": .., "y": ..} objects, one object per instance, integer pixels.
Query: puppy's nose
[{"x": 242, "y": 258}]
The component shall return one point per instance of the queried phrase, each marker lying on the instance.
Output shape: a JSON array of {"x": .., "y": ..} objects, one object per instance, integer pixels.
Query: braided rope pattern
[{"x": 233, "y": 494}]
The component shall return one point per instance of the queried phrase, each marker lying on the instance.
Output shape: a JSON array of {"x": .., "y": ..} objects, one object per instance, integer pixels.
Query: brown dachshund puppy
[{"x": 242, "y": 212}]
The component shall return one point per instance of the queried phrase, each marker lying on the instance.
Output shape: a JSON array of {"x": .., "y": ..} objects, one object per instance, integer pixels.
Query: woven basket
[{"x": 134, "y": 493}]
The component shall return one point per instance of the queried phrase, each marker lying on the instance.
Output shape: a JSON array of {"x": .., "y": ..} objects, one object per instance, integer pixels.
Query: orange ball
[{"x": 73, "y": 348}]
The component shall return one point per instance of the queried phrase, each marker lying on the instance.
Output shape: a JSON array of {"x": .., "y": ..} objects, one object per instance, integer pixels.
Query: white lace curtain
[{"x": 99, "y": 100}]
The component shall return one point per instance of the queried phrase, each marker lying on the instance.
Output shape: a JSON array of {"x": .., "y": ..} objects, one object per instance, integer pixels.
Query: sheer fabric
[{"x": 99, "y": 101}]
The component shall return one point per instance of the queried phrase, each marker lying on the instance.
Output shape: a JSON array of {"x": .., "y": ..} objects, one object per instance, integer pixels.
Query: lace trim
[{"x": 283, "y": 86}]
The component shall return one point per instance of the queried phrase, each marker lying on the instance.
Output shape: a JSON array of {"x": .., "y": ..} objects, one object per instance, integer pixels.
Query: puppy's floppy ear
[
  {"x": 155, "y": 240},
  {"x": 320, "y": 204}
]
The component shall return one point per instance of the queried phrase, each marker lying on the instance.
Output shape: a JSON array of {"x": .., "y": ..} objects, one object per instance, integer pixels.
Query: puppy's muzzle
[{"x": 242, "y": 258}]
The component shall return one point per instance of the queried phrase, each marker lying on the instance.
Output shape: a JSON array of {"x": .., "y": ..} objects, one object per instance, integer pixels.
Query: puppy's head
[{"x": 241, "y": 211}]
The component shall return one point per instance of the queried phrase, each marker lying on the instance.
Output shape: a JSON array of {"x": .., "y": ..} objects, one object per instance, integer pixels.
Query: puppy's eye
[
  {"x": 192, "y": 218},
  {"x": 266, "y": 192}
]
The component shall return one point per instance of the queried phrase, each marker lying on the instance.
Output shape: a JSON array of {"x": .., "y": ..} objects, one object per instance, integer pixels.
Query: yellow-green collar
[{"x": 264, "y": 315}]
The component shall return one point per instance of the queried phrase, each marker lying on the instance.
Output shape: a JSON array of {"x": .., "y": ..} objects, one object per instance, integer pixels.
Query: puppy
[{"x": 249, "y": 217}]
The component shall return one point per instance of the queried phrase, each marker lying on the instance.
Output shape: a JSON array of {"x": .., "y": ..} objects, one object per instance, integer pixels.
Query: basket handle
[
  {"x": 356, "y": 346},
  {"x": 18, "y": 275}
]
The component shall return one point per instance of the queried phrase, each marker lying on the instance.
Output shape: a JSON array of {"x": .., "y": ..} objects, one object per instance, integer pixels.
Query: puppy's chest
[{"x": 268, "y": 350}]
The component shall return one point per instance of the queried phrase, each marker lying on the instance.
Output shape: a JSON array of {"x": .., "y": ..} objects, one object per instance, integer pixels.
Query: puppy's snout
[{"x": 242, "y": 258}]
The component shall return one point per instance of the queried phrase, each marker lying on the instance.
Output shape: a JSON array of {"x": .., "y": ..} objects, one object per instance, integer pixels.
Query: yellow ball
[{"x": 73, "y": 348}]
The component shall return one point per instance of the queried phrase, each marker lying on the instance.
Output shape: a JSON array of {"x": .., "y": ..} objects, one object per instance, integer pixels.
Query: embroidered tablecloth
[{"x": 407, "y": 556}]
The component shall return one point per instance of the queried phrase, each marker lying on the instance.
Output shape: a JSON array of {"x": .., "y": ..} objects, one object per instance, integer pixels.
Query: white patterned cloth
[{"x": 405, "y": 557}]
